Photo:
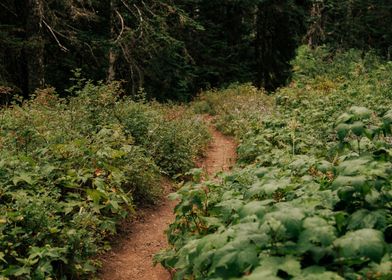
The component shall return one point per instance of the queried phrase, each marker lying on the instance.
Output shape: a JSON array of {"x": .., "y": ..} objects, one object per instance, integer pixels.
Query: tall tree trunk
[
  {"x": 111, "y": 75},
  {"x": 262, "y": 45},
  {"x": 315, "y": 33},
  {"x": 274, "y": 44},
  {"x": 112, "y": 57},
  {"x": 36, "y": 45}
]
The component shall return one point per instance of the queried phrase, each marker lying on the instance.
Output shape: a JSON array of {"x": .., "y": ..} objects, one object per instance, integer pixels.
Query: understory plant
[
  {"x": 310, "y": 197},
  {"x": 70, "y": 169}
]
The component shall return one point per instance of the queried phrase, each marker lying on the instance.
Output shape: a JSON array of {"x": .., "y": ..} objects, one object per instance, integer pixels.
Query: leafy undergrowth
[
  {"x": 311, "y": 196},
  {"x": 70, "y": 169}
]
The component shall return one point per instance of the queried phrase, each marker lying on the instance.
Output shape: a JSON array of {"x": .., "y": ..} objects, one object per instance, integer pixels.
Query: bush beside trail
[
  {"x": 70, "y": 169},
  {"x": 311, "y": 195}
]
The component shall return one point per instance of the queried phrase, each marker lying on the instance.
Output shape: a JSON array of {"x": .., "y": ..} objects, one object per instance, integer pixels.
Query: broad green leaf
[
  {"x": 342, "y": 130},
  {"x": 324, "y": 166},
  {"x": 367, "y": 243},
  {"x": 16, "y": 271},
  {"x": 371, "y": 132},
  {"x": 2, "y": 255},
  {"x": 385, "y": 267},
  {"x": 317, "y": 233},
  {"x": 227, "y": 207},
  {"x": 344, "y": 118},
  {"x": 95, "y": 195},
  {"x": 260, "y": 172},
  {"x": 264, "y": 274},
  {"x": 48, "y": 169},
  {"x": 318, "y": 273},
  {"x": 367, "y": 219},
  {"x": 240, "y": 254},
  {"x": 302, "y": 163},
  {"x": 387, "y": 118},
  {"x": 354, "y": 166},
  {"x": 174, "y": 196},
  {"x": 360, "y": 112},
  {"x": 358, "y": 128},
  {"x": 316, "y": 238},
  {"x": 99, "y": 183},
  {"x": 23, "y": 177},
  {"x": 290, "y": 265},
  {"x": 248, "y": 257},
  {"x": 290, "y": 217},
  {"x": 272, "y": 265},
  {"x": 267, "y": 187},
  {"x": 211, "y": 222},
  {"x": 252, "y": 208},
  {"x": 355, "y": 181}
]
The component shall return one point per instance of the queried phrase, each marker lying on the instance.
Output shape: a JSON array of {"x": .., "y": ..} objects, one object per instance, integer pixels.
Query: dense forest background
[{"x": 174, "y": 48}]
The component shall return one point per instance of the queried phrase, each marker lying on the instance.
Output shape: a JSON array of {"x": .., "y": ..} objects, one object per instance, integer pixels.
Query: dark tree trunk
[
  {"x": 315, "y": 34},
  {"x": 35, "y": 45},
  {"x": 262, "y": 45},
  {"x": 275, "y": 43},
  {"x": 112, "y": 57}
]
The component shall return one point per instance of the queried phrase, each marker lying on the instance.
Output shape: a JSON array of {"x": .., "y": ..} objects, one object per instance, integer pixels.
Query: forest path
[{"x": 131, "y": 257}]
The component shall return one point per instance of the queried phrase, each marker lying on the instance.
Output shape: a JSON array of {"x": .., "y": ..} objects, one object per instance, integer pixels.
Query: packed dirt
[{"x": 131, "y": 256}]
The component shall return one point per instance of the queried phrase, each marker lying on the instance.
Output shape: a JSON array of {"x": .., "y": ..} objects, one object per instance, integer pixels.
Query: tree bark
[
  {"x": 274, "y": 44},
  {"x": 111, "y": 76},
  {"x": 112, "y": 57},
  {"x": 262, "y": 45},
  {"x": 35, "y": 45}
]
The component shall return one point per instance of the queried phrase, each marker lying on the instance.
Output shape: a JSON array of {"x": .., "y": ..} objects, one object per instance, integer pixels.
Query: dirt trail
[
  {"x": 131, "y": 257},
  {"x": 221, "y": 154}
]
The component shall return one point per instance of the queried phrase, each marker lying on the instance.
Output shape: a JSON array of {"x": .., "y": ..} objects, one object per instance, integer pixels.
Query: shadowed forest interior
[
  {"x": 173, "y": 49},
  {"x": 268, "y": 121}
]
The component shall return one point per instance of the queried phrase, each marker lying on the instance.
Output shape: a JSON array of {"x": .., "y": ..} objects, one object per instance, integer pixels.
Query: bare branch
[
  {"x": 149, "y": 10},
  {"x": 64, "y": 49},
  {"x": 126, "y": 5},
  {"x": 122, "y": 26},
  {"x": 92, "y": 53},
  {"x": 140, "y": 20},
  {"x": 138, "y": 14},
  {"x": 8, "y": 9}
]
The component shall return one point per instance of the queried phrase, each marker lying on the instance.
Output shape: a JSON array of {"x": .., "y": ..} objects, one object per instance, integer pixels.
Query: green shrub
[
  {"x": 237, "y": 108},
  {"x": 311, "y": 196},
  {"x": 71, "y": 169},
  {"x": 173, "y": 136}
]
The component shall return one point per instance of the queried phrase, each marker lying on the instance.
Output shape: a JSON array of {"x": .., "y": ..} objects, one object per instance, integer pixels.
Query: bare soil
[{"x": 131, "y": 256}]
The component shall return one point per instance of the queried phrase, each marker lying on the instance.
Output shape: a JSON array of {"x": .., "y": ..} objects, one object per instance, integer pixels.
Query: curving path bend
[{"x": 131, "y": 257}]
